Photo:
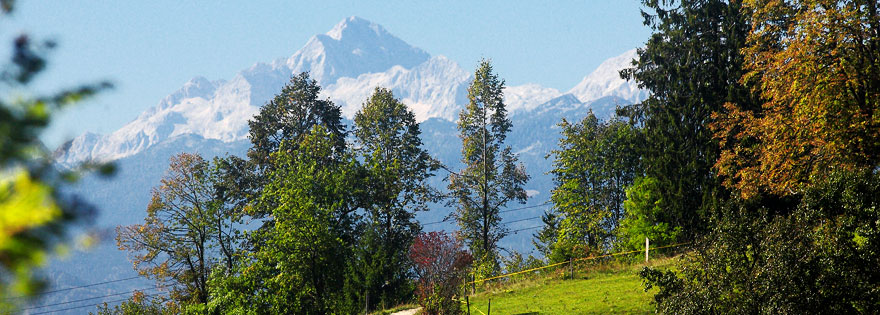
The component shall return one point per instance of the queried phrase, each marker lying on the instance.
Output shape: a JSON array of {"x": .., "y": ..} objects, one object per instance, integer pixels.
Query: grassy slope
[{"x": 606, "y": 290}]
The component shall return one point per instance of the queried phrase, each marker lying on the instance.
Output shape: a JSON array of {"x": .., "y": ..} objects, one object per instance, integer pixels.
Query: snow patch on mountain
[
  {"x": 435, "y": 88},
  {"x": 606, "y": 81},
  {"x": 527, "y": 97}
]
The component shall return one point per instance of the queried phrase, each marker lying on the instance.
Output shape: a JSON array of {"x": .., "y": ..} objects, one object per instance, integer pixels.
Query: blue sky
[{"x": 148, "y": 49}]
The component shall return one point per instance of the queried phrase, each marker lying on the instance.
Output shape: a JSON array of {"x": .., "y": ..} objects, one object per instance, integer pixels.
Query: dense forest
[{"x": 759, "y": 146}]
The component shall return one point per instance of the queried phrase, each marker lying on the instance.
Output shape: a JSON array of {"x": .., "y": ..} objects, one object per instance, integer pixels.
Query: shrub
[
  {"x": 816, "y": 252},
  {"x": 441, "y": 267}
]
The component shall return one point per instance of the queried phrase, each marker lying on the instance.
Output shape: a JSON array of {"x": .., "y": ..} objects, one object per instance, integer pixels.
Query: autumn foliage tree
[
  {"x": 441, "y": 267},
  {"x": 800, "y": 234},
  {"x": 185, "y": 233},
  {"x": 816, "y": 65}
]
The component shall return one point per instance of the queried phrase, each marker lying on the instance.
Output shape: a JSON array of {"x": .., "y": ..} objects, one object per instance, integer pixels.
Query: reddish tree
[{"x": 441, "y": 266}]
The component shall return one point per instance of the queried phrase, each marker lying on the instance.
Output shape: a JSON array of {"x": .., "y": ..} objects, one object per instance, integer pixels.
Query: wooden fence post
[
  {"x": 647, "y": 245},
  {"x": 468, "y": 302},
  {"x": 489, "y": 309}
]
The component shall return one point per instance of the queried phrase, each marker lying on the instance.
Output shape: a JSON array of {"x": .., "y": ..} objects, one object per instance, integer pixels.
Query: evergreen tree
[
  {"x": 692, "y": 66},
  {"x": 546, "y": 237},
  {"x": 388, "y": 141},
  {"x": 491, "y": 177}
]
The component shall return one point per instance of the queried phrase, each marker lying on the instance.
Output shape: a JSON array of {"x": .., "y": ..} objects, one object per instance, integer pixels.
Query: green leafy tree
[
  {"x": 692, "y": 66},
  {"x": 491, "y": 177},
  {"x": 289, "y": 116},
  {"x": 139, "y": 304},
  {"x": 388, "y": 141},
  {"x": 644, "y": 217},
  {"x": 185, "y": 233},
  {"x": 35, "y": 213},
  {"x": 301, "y": 268},
  {"x": 595, "y": 163}
]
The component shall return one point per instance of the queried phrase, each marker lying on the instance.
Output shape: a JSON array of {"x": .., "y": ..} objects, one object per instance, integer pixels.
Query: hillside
[{"x": 614, "y": 288}]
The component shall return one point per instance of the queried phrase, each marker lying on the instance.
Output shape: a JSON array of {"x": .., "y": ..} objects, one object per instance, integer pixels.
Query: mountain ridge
[{"x": 349, "y": 61}]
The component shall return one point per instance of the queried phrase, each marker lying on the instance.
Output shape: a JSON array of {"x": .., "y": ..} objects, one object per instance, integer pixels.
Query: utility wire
[
  {"x": 520, "y": 220},
  {"x": 91, "y": 298},
  {"x": 528, "y": 228},
  {"x": 523, "y": 208},
  {"x": 84, "y": 306},
  {"x": 505, "y": 211},
  {"x": 76, "y": 287}
]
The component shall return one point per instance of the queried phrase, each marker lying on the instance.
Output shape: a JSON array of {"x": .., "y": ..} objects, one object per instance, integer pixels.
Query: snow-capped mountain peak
[
  {"x": 349, "y": 61},
  {"x": 353, "y": 25},
  {"x": 606, "y": 81},
  {"x": 354, "y": 46}
]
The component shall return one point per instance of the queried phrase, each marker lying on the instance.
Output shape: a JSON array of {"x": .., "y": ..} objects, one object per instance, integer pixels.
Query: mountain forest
[{"x": 756, "y": 149}]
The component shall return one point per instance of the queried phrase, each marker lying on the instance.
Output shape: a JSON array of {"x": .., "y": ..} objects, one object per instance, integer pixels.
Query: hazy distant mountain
[{"x": 210, "y": 117}]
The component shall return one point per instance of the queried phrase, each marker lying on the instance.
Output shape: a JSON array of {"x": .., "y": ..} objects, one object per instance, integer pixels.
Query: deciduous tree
[
  {"x": 594, "y": 164},
  {"x": 290, "y": 116},
  {"x": 387, "y": 139},
  {"x": 301, "y": 267},
  {"x": 185, "y": 233},
  {"x": 816, "y": 65},
  {"x": 441, "y": 267}
]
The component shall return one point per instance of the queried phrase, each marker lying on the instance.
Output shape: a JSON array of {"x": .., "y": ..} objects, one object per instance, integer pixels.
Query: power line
[
  {"x": 528, "y": 228},
  {"x": 84, "y": 306},
  {"x": 91, "y": 298},
  {"x": 523, "y": 208},
  {"x": 76, "y": 287},
  {"x": 520, "y": 220},
  {"x": 505, "y": 211}
]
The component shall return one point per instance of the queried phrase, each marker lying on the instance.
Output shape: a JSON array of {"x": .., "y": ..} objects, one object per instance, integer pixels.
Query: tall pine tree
[{"x": 491, "y": 177}]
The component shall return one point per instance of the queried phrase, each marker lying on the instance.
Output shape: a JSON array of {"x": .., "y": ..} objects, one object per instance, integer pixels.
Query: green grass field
[{"x": 595, "y": 290}]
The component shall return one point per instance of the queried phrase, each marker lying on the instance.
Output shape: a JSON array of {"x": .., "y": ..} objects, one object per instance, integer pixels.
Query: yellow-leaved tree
[{"x": 816, "y": 64}]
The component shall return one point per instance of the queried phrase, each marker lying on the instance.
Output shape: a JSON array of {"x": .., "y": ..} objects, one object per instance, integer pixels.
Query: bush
[
  {"x": 816, "y": 252},
  {"x": 441, "y": 266}
]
